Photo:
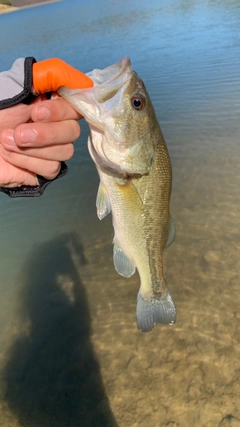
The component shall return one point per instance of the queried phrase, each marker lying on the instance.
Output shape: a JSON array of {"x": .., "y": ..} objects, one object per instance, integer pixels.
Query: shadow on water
[{"x": 52, "y": 376}]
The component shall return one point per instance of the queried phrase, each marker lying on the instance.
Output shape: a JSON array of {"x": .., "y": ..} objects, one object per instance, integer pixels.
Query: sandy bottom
[{"x": 75, "y": 352}]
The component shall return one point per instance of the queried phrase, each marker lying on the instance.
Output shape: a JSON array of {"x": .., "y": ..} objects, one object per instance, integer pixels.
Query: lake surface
[{"x": 70, "y": 351}]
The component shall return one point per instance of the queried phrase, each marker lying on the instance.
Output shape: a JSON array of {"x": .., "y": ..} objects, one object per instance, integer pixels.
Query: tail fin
[{"x": 153, "y": 311}]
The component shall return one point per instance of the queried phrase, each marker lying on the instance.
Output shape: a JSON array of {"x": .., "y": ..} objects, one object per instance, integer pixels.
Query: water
[{"x": 70, "y": 351}]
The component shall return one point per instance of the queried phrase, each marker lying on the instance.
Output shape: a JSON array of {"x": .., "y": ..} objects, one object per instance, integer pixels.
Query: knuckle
[
  {"x": 53, "y": 170},
  {"x": 58, "y": 113},
  {"x": 69, "y": 152},
  {"x": 77, "y": 130}
]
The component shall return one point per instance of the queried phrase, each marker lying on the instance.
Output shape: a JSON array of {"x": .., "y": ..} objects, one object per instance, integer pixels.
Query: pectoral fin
[
  {"x": 102, "y": 202},
  {"x": 124, "y": 266},
  {"x": 171, "y": 232}
]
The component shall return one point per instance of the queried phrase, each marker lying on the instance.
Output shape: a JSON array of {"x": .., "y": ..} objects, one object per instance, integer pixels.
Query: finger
[
  {"x": 20, "y": 177},
  {"x": 21, "y": 113},
  {"x": 46, "y": 168},
  {"x": 12, "y": 117},
  {"x": 54, "y": 110},
  {"x": 45, "y": 134},
  {"x": 12, "y": 176},
  {"x": 59, "y": 152}
]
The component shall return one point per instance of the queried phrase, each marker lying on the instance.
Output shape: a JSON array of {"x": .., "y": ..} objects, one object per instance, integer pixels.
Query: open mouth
[
  {"x": 109, "y": 80},
  {"x": 112, "y": 74}
]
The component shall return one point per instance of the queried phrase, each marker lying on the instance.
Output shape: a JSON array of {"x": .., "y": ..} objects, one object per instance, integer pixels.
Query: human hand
[{"x": 34, "y": 139}]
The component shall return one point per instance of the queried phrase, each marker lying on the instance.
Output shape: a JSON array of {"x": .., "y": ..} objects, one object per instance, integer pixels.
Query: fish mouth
[
  {"x": 96, "y": 102},
  {"x": 114, "y": 75},
  {"x": 105, "y": 107},
  {"x": 109, "y": 80}
]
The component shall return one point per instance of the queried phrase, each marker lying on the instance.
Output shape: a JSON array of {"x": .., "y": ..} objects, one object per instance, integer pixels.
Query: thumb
[{"x": 50, "y": 74}]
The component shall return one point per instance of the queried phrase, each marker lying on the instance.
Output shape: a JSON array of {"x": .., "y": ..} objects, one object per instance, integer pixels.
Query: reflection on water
[{"x": 187, "y": 53}]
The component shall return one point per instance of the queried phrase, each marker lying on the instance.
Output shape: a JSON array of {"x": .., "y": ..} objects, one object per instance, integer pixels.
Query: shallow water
[{"x": 69, "y": 346}]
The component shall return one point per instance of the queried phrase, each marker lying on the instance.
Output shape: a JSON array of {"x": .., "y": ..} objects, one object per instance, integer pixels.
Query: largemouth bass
[{"x": 128, "y": 148}]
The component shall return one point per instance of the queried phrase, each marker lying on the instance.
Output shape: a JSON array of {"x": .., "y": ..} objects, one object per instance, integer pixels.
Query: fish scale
[{"x": 128, "y": 148}]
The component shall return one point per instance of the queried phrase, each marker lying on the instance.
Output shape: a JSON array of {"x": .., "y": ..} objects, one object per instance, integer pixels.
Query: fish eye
[{"x": 138, "y": 103}]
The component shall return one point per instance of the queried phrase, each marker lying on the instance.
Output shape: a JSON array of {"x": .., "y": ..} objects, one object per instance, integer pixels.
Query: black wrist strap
[{"x": 36, "y": 190}]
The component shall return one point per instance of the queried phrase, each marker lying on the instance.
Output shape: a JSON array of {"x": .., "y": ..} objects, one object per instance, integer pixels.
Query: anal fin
[{"x": 171, "y": 232}]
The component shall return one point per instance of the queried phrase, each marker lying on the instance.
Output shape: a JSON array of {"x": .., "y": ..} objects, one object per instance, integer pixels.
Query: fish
[{"x": 128, "y": 148}]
